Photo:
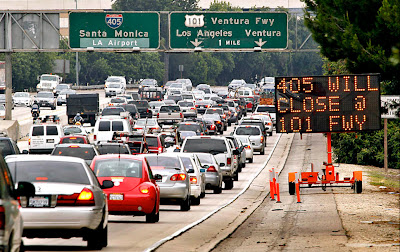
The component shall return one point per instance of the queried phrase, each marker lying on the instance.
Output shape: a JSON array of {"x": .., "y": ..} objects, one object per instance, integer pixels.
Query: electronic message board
[{"x": 342, "y": 103}]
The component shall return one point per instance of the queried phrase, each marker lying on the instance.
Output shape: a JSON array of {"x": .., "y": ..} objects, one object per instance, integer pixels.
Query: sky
[{"x": 205, "y": 4}]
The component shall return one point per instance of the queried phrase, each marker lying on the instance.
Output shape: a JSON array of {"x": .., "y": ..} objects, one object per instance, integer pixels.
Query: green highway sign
[
  {"x": 114, "y": 30},
  {"x": 228, "y": 30}
]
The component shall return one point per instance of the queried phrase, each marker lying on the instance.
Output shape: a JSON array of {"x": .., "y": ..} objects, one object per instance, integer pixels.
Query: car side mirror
[
  {"x": 190, "y": 171},
  {"x": 25, "y": 152},
  {"x": 221, "y": 164},
  {"x": 25, "y": 189},
  {"x": 107, "y": 184}
]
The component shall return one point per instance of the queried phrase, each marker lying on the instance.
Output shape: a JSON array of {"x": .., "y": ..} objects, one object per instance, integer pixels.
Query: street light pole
[{"x": 77, "y": 56}]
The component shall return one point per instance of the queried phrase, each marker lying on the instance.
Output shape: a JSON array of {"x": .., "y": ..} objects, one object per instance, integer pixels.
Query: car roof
[
  {"x": 115, "y": 156},
  {"x": 74, "y": 144},
  {"x": 13, "y": 158}
]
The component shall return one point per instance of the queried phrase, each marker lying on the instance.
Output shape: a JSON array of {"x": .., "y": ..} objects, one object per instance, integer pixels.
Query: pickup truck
[{"x": 169, "y": 114}]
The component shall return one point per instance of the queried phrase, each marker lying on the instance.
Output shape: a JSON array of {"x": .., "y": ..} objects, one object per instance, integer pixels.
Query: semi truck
[
  {"x": 87, "y": 105},
  {"x": 48, "y": 82}
]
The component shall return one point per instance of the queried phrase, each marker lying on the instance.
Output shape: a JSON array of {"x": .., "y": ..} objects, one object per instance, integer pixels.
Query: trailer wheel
[
  {"x": 292, "y": 188},
  {"x": 358, "y": 186}
]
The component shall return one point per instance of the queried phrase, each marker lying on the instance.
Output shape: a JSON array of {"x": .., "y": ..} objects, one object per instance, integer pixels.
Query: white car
[
  {"x": 22, "y": 99},
  {"x": 197, "y": 179},
  {"x": 2, "y": 112},
  {"x": 267, "y": 109},
  {"x": 248, "y": 148},
  {"x": 254, "y": 133},
  {"x": 266, "y": 118}
]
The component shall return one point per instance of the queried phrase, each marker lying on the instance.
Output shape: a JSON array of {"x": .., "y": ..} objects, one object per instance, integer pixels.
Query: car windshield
[
  {"x": 114, "y": 86},
  {"x": 61, "y": 87},
  {"x": 148, "y": 82},
  {"x": 118, "y": 167},
  {"x": 72, "y": 130},
  {"x": 117, "y": 100},
  {"x": 75, "y": 151},
  {"x": 236, "y": 82},
  {"x": 45, "y": 95},
  {"x": 266, "y": 109},
  {"x": 48, "y": 78},
  {"x": 112, "y": 111},
  {"x": 21, "y": 95},
  {"x": 212, "y": 146},
  {"x": 185, "y": 104},
  {"x": 251, "y": 131},
  {"x": 189, "y": 127},
  {"x": 157, "y": 161},
  {"x": 212, "y": 116},
  {"x": 187, "y": 97},
  {"x": 176, "y": 85},
  {"x": 215, "y": 111},
  {"x": 46, "y": 171},
  {"x": 77, "y": 140},
  {"x": 112, "y": 149},
  {"x": 170, "y": 109},
  {"x": 113, "y": 79},
  {"x": 130, "y": 108}
]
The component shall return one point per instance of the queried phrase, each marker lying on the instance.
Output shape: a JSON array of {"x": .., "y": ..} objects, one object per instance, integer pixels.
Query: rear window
[
  {"x": 112, "y": 111},
  {"x": 117, "y": 100},
  {"x": 253, "y": 123},
  {"x": 51, "y": 131},
  {"x": 84, "y": 153},
  {"x": 186, "y": 104},
  {"x": 189, "y": 127},
  {"x": 165, "y": 162},
  {"x": 141, "y": 104},
  {"x": 38, "y": 131},
  {"x": 216, "y": 111},
  {"x": 252, "y": 131},
  {"x": 152, "y": 141},
  {"x": 187, "y": 163},
  {"x": 266, "y": 109},
  {"x": 104, "y": 126},
  {"x": 49, "y": 171},
  {"x": 113, "y": 149},
  {"x": 170, "y": 109},
  {"x": 6, "y": 148},
  {"x": 78, "y": 140},
  {"x": 117, "y": 126},
  {"x": 207, "y": 145},
  {"x": 118, "y": 167}
]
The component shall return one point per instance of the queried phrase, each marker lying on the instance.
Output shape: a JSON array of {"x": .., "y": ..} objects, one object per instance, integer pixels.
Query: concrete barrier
[
  {"x": 11, "y": 127},
  {"x": 90, "y": 87}
]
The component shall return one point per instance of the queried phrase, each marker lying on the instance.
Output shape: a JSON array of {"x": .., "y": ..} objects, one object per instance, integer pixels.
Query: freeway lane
[{"x": 133, "y": 234}]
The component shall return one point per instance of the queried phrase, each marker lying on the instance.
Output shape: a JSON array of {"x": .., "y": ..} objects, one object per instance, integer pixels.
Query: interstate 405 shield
[{"x": 341, "y": 103}]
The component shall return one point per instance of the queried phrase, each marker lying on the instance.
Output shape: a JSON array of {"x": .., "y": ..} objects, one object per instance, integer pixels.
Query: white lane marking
[{"x": 186, "y": 228}]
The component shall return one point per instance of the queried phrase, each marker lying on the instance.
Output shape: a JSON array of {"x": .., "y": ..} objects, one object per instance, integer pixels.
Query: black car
[
  {"x": 113, "y": 148},
  {"x": 131, "y": 108},
  {"x": 191, "y": 126},
  {"x": 143, "y": 108}
]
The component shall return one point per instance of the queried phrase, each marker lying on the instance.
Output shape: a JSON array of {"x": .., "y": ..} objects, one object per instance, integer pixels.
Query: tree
[
  {"x": 154, "y": 5},
  {"x": 362, "y": 33}
]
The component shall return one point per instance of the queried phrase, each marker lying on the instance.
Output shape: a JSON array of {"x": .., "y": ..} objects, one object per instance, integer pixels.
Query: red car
[
  {"x": 154, "y": 144},
  {"x": 135, "y": 191},
  {"x": 74, "y": 139}
]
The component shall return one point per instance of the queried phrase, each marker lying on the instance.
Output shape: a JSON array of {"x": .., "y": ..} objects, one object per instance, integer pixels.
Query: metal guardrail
[{"x": 89, "y": 87}]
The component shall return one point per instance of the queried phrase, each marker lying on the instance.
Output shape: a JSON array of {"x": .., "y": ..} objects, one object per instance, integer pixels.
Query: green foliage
[
  {"x": 364, "y": 33},
  {"x": 222, "y": 6},
  {"x": 154, "y": 5},
  {"x": 366, "y": 148}
]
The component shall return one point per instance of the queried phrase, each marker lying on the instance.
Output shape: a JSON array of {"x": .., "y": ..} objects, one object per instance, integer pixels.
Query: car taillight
[
  {"x": 147, "y": 110},
  {"x": 2, "y": 218},
  {"x": 144, "y": 189},
  {"x": 211, "y": 169},
  {"x": 178, "y": 177},
  {"x": 29, "y": 141},
  {"x": 228, "y": 161},
  {"x": 158, "y": 115},
  {"x": 85, "y": 198},
  {"x": 94, "y": 137},
  {"x": 193, "y": 180},
  {"x": 181, "y": 115},
  {"x": 262, "y": 139},
  {"x": 248, "y": 147},
  {"x": 269, "y": 123},
  {"x": 212, "y": 127},
  {"x": 160, "y": 149}
]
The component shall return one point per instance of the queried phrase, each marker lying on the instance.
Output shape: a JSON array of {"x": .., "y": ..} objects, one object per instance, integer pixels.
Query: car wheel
[
  {"x": 185, "y": 204},
  {"x": 250, "y": 160},
  {"x": 59, "y": 103},
  {"x": 218, "y": 190},
  {"x": 236, "y": 177},
  {"x": 225, "y": 128},
  {"x": 229, "y": 124},
  {"x": 203, "y": 194},
  {"x": 98, "y": 238},
  {"x": 270, "y": 133},
  {"x": 262, "y": 152},
  {"x": 153, "y": 217},
  {"x": 239, "y": 168},
  {"x": 228, "y": 184},
  {"x": 195, "y": 201}
]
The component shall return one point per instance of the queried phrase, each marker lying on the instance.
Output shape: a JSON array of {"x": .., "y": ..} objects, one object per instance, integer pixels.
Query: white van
[
  {"x": 43, "y": 137},
  {"x": 105, "y": 128}
]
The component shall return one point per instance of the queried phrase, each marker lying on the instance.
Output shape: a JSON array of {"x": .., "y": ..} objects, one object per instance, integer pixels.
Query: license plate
[
  {"x": 50, "y": 141},
  {"x": 39, "y": 201},
  {"x": 116, "y": 196}
]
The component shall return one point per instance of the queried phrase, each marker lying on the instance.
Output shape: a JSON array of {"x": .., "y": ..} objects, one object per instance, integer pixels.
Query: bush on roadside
[{"x": 366, "y": 148}]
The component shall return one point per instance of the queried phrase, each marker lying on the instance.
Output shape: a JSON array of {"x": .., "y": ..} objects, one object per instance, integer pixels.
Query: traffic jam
[{"x": 147, "y": 148}]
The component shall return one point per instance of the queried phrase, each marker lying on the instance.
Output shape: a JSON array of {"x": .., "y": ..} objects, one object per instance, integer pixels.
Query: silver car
[
  {"x": 175, "y": 182},
  {"x": 210, "y": 167},
  {"x": 69, "y": 200},
  {"x": 197, "y": 178},
  {"x": 248, "y": 149},
  {"x": 255, "y": 134}
]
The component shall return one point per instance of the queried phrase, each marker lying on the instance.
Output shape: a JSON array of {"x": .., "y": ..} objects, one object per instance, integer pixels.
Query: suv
[
  {"x": 223, "y": 151},
  {"x": 46, "y": 99},
  {"x": 143, "y": 108},
  {"x": 255, "y": 134},
  {"x": 267, "y": 109}
]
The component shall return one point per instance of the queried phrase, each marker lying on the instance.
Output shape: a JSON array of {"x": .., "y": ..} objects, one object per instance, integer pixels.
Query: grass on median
[{"x": 379, "y": 178}]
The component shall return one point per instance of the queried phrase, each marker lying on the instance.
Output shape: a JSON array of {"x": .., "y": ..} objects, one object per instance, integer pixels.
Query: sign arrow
[
  {"x": 260, "y": 42},
  {"x": 196, "y": 43}
]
